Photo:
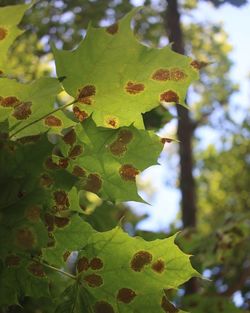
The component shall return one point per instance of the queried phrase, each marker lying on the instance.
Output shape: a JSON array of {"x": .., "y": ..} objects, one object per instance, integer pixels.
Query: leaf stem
[
  {"x": 58, "y": 270},
  {"x": 42, "y": 117}
]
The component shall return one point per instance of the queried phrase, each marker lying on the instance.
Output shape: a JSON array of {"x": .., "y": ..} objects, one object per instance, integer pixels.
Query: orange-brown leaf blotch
[
  {"x": 158, "y": 266},
  {"x": 53, "y": 121},
  {"x": 96, "y": 264},
  {"x": 112, "y": 29},
  {"x": 169, "y": 96},
  {"x": 128, "y": 172},
  {"x": 134, "y": 88},
  {"x": 103, "y": 307},
  {"x": 93, "y": 280},
  {"x": 3, "y": 33},
  {"x": 140, "y": 259},
  {"x": 22, "y": 111},
  {"x": 125, "y": 295}
]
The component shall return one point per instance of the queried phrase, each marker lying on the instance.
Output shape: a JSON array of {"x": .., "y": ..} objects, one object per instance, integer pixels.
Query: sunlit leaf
[
  {"x": 117, "y": 78},
  {"x": 10, "y": 17},
  {"x": 29, "y": 107},
  {"x": 118, "y": 273}
]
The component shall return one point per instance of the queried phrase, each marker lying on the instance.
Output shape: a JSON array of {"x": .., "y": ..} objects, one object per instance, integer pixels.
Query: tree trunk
[{"x": 185, "y": 134}]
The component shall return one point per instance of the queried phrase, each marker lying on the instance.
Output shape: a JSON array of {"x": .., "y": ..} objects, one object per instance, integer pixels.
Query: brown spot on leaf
[
  {"x": 49, "y": 221},
  {"x": 52, "y": 121},
  {"x": 80, "y": 115},
  {"x": 158, "y": 266},
  {"x": 29, "y": 139},
  {"x": 125, "y": 136},
  {"x": 33, "y": 213},
  {"x": 86, "y": 100},
  {"x": 126, "y": 295},
  {"x": 164, "y": 140},
  {"x": 112, "y": 29},
  {"x": 87, "y": 91},
  {"x": 103, "y": 307},
  {"x": 3, "y": 33},
  {"x": 46, "y": 180},
  {"x": 22, "y": 111},
  {"x": 169, "y": 96},
  {"x": 36, "y": 269},
  {"x": 85, "y": 94},
  {"x": 93, "y": 280},
  {"x": 75, "y": 151},
  {"x": 140, "y": 259},
  {"x": 176, "y": 74},
  {"x": 25, "y": 238},
  {"x": 61, "y": 221},
  {"x": 117, "y": 148},
  {"x": 167, "y": 306},
  {"x": 70, "y": 137},
  {"x": 63, "y": 163},
  {"x": 134, "y": 88},
  {"x": 78, "y": 171},
  {"x": 82, "y": 264},
  {"x": 128, "y": 172},
  {"x": 161, "y": 74},
  {"x": 50, "y": 164},
  {"x": 94, "y": 183},
  {"x": 66, "y": 255},
  {"x": 12, "y": 260},
  {"x": 96, "y": 264},
  {"x": 197, "y": 65},
  {"x": 112, "y": 122},
  {"x": 61, "y": 199},
  {"x": 9, "y": 101}
]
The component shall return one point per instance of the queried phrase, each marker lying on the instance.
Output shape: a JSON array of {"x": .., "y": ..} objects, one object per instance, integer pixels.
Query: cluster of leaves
[{"x": 52, "y": 156}]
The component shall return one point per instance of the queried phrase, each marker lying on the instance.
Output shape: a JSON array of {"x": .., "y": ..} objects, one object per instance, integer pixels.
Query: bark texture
[{"x": 185, "y": 134}]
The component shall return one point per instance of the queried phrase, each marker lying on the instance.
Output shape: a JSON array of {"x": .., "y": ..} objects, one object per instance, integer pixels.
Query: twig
[{"x": 58, "y": 270}]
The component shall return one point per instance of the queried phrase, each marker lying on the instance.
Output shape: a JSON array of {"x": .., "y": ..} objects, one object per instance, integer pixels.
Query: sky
[
  {"x": 236, "y": 23},
  {"x": 165, "y": 202}
]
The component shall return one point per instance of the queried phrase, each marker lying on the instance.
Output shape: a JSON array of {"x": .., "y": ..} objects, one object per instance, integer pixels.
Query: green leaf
[
  {"x": 73, "y": 300},
  {"x": 10, "y": 18},
  {"x": 116, "y": 78},
  {"x": 105, "y": 216},
  {"x": 22, "y": 199},
  {"x": 19, "y": 174},
  {"x": 30, "y": 108},
  {"x": 113, "y": 79},
  {"x": 67, "y": 238},
  {"x": 107, "y": 161},
  {"x": 124, "y": 274},
  {"x": 20, "y": 277}
]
